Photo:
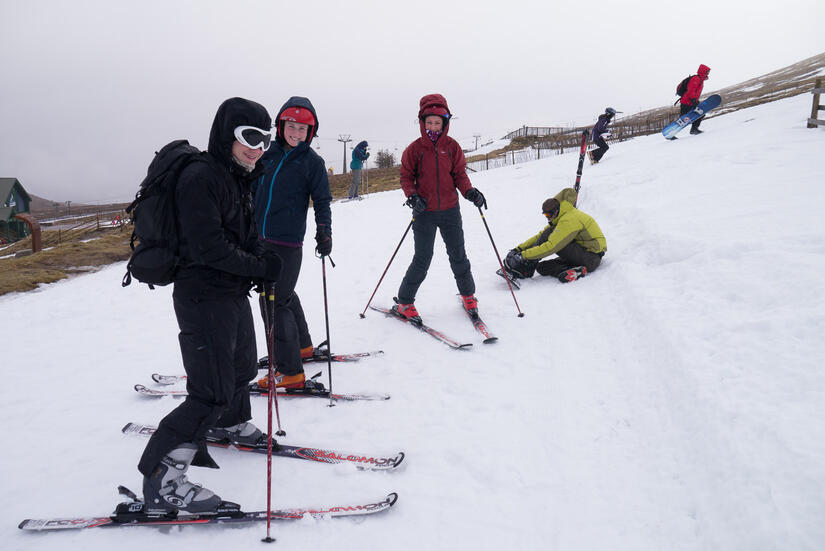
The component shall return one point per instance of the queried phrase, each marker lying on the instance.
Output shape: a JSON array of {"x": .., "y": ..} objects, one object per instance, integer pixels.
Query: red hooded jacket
[
  {"x": 695, "y": 85},
  {"x": 434, "y": 170}
]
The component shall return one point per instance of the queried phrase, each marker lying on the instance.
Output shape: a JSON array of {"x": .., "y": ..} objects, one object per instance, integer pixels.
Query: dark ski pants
[
  {"x": 424, "y": 228},
  {"x": 570, "y": 256},
  {"x": 217, "y": 345},
  {"x": 599, "y": 152},
  {"x": 685, "y": 109},
  {"x": 291, "y": 331}
]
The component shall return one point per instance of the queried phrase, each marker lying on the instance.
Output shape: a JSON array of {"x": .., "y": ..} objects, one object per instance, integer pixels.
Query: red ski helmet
[{"x": 300, "y": 115}]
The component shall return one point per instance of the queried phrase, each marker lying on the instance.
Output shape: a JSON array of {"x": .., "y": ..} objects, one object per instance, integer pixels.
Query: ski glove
[
  {"x": 417, "y": 203},
  {"x": 323, "y": 237},
  {"x": 272, "y": 266},
  {"x": 476, "y": 197}
]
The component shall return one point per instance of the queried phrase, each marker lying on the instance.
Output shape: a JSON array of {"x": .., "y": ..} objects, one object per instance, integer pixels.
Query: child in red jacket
[{"x": 433, "y": 171}]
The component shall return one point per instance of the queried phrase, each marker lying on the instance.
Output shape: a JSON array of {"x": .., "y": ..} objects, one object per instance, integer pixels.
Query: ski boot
[
  {"x": 470, "y": 304},
  {"x": 167, "y": 490},
  {"x": 406, "y": 311},
  {"x": 572, "y": 274},
  {"x": 284, "y": 381},
  {"x": 696, "y": 131},
  {"x": 244, "y": 434}
]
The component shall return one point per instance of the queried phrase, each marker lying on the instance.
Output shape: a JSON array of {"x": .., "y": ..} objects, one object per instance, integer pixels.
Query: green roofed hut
[{"x": 15, "y": 220}]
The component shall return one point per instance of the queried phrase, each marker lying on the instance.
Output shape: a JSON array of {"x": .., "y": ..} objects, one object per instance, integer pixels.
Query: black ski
[
  {"x": 513, "y": 281},
  {"x": 480, "y": 326},
  {"x": 436, "y": 334},
  {"x": 132, "y": 514},
  {"x": 582, "y": 150},
  {"x": 319, "y": 455},
  {"x": 321, "y": 354}
]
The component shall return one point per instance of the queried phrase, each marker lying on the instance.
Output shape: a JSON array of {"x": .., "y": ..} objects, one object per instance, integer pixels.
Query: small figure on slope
[
  {"x": 599, "y": 134},
  {"x": 571, "y": 234},
  {"x": 359, "y": 155},
  {"x": 432, "y": 168},
  {"x": 690, "y": 98}
]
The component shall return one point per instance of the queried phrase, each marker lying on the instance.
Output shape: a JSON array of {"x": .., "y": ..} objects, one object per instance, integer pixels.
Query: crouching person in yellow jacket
[{"x": 571, "y": 234}]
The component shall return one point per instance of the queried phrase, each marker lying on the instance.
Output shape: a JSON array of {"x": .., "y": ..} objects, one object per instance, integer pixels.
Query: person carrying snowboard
[
  {"x": 433, "y": 167},
  {"x": 293, "y": 173},
  {"x": 571, "y": 234},
  {"x": 690, "y": 98},
  {"x": 359, "y": 155},
  {"x": 599, "y": 134},
  {"x": 220, "y": 260}
]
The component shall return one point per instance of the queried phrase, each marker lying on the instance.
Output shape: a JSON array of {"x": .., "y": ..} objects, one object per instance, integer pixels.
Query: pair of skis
[
  {"x": 478, "y": 324},
  {"x": 132, "y": 513}
]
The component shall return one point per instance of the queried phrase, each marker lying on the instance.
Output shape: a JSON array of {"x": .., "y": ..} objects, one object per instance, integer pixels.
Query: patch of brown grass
[{"x": 27, "y": 272}]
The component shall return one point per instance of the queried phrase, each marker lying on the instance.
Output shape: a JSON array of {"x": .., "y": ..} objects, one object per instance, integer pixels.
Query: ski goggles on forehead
[{"x": 253, "y": 137}]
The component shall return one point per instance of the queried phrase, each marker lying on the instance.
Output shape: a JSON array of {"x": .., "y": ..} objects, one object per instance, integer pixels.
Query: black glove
[
  {"x": 476, "y": 197},
  {"x": 272, "y": 266},
  {"x": 417, "y": 203},
  {"x": 323, "y": 238},
  {"x": 514, "y": 251}
]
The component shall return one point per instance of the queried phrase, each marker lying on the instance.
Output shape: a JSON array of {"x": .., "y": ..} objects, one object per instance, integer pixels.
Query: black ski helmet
[{"x": 610, "y": 112}]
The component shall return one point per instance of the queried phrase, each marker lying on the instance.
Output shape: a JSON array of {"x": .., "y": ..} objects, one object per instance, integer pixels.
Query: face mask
[{"x": 434, "y": 134}]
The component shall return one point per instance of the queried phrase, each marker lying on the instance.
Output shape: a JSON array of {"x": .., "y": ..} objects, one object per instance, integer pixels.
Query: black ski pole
[
  {"x": 581, "y": 164},
  {"x": 388, "y": 266},
  {"x": 326, "y": 322},
  {"x": 498, "y": 257}
]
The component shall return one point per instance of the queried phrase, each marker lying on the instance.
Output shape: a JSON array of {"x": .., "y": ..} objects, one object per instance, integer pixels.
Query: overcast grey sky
[{"x": 91, "y": 88}]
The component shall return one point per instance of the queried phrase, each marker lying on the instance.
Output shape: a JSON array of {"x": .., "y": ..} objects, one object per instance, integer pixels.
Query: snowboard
[{"x": 700, "y": 110}]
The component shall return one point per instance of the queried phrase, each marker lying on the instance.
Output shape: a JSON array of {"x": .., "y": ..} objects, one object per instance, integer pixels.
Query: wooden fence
[{"x": 814, "y": 121}]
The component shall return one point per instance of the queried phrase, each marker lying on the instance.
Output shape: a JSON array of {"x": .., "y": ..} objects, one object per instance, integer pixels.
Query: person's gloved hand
[
  {"x": 323, "y": 238},
  {"x": 476, "y": 197},
  {"x": 272, "y": 266},
  {"x": 417, "y": 203},
  {"x": 514, "y": 250}
]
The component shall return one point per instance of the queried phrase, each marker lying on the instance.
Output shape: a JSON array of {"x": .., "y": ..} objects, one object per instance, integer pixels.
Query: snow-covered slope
[{"x": 674, "y": 399}]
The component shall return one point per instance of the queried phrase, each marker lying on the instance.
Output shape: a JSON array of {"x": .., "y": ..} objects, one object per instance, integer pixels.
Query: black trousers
[
  {"x": 684, "y": 109},
  {"x": 217, "y": 344},
  {"x": 599, "y": 152},
  {"x": 452, "y": 232},
  {"x": 291, "y": 331},
  {"x": 570, "y": 256}
]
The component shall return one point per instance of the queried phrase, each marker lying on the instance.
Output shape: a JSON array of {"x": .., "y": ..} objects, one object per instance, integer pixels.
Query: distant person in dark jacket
[
  {"x": 433, "y": 167},
  {"x": 293, "y": 173},
  {"x": 690, "y": 99},
  {"x": 220, "y": 253},
  {"x": 359, "y": 155},
  {"x": 600, "y": 133}
]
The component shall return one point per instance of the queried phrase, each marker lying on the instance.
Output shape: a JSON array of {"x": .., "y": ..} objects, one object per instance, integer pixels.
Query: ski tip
[
  {"x": 401, "y": 456},
  {"x": 490, "y": 340},
  {"x": 156, "y": 377},
  {"x": 391, "y": 499},
  {"x": 126, "y": 427},
  {"x": 465, "y": 346}
]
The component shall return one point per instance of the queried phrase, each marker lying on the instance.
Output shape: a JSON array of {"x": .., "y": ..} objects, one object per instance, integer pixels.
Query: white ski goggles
[{"x": 253, "y": 137}]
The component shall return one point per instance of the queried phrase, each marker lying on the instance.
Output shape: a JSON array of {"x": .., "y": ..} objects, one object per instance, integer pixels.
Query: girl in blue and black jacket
[{"x": 293, "y": 173}]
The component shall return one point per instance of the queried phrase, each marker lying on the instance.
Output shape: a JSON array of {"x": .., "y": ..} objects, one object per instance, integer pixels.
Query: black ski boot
[
  {"x": 245, "y": 434},
  {"x": 168, "y": 490}
]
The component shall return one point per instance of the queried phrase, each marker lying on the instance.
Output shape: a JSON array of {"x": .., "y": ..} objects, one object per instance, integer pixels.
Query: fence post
[
  {"x": 487, "y": 161},
  {"x": 815, "y": 108}
]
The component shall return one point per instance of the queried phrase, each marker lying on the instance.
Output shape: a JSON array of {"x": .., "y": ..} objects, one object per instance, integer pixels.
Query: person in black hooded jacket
[
  {"x": 221, "y": 260},
  {"x": 293, "y": 173}
]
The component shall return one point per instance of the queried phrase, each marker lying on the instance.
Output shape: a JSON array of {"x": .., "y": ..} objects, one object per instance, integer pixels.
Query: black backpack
[
  {"x": 682, "y": 88},
  {"x": 155, "y": 259}
]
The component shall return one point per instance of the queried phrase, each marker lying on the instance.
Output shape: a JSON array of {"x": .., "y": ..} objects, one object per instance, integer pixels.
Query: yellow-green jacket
[{"x": 570, "y": 225}]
